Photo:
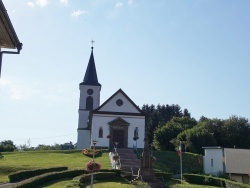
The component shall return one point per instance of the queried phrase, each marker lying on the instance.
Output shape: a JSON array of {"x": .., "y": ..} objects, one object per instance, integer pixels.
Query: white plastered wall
[
  {"x": 126, "y": 107},
  {"x": 83, "y": 139},
  {"x": 213, "y": 161},
  {"x": 100, "y": 120}
]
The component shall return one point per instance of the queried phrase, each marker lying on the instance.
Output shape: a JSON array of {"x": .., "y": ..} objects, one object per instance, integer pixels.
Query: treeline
[
  {"x": 167, "y": 125},
  {"x": 9, "y": 146}
]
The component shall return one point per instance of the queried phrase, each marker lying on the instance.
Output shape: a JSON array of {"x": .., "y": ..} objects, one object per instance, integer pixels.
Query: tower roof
[{"x": 90, "y": 77}]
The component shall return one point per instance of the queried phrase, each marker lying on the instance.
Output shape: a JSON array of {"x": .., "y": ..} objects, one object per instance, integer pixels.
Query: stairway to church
[{"x": 128, "y": 159}]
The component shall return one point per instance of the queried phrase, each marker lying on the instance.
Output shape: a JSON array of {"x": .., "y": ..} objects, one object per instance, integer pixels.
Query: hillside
[
  {"x": 170, "y": 162},
  {"x": 73, "y": 159},
  {"x": 15, "y": 161}
]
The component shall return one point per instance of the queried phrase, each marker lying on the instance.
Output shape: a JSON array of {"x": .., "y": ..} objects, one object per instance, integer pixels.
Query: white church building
[{"x": 117, "y": 121}]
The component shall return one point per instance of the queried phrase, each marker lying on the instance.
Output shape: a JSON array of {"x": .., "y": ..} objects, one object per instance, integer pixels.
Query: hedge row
[
  {"x": 213, "y": 181},
  {"x": 116, "y": 171},
  {"x": 98, "y": 176},
  {"x": 21, "y": 175},
  {"x": 41, "y": 179},
  {"x": 166, "y": 176}
]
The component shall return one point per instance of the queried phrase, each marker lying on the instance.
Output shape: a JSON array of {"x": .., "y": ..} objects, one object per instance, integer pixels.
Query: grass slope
[
  {"x": 15, "y": 161},
  {"x": 168, "y": 161}
]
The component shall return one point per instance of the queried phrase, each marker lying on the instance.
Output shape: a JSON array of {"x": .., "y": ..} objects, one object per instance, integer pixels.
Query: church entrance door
[{"x": 118, "y": 136}]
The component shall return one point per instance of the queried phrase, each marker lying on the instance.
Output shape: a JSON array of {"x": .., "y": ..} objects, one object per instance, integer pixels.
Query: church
[{"x": 116, "y": 122}]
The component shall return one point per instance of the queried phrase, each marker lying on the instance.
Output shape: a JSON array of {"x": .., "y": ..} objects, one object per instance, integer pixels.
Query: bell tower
[{"x": 89, "y": 100}]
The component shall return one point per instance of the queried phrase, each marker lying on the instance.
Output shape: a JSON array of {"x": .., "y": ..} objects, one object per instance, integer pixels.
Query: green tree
[
  {"x": 7, "y": 145},
  {"x": 235, "y": 133},
  {"x": 196, "y": 138},
  {"x": 164, "y": 135},
  {"x": 157, "y": 116}
]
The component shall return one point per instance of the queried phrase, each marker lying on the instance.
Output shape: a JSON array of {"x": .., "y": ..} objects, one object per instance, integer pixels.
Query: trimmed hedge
[
  {"x": 97, "y": 176},
  {"x": 166, "y": 176},
  {"x": 24, "y": 174},
  {"x": 213, "y": 181},
  {"x": 41, "y": 179},
  {"x": 116, "y": 171}
]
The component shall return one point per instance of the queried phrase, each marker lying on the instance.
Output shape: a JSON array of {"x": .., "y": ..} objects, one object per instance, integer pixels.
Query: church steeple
[
  {"x": 90, "y": 90},
  {"x": 90, "y": 77}
]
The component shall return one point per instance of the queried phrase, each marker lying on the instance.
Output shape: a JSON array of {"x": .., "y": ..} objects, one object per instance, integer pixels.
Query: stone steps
[{"x": 128, "y": 160}]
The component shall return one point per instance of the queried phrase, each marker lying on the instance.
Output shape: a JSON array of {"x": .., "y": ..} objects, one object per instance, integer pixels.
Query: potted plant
[{"x": 93, "y": 166}]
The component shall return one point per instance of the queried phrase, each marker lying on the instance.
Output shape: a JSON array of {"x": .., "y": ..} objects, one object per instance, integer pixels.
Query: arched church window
[
  {"x": 89, "y": 103},
  {"x": 100, "y": 132}
]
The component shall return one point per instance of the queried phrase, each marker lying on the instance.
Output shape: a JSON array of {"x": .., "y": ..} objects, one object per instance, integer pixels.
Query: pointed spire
[{"x": 90, "y": 77}]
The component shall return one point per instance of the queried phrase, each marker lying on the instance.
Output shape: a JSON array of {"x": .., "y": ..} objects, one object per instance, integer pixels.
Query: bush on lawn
[
  {"x": 97, "y": 176},
  {"x": 24, "y": 174},
  {"x": 213, "y": 181},
  {"x": 164, "y": 175},
  {"x": 41, "y": 179},
  {"x": 116, "y": 171}
]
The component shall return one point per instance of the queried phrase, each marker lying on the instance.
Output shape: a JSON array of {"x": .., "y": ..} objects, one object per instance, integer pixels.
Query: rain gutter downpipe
[{"x": 19, "y": 48}]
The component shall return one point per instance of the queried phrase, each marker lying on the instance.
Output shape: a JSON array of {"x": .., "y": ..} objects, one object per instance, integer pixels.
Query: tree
[
  {"x": 186, "y": 113},
  {"x": 67, "y": 146},
  {"x": 7, "y": 145},
  {"x": 158, "y": 116},
  {"x": 163, "y": 135},
  {"x": 196, "y": 138},
  {"x": 235, "y": 132}
]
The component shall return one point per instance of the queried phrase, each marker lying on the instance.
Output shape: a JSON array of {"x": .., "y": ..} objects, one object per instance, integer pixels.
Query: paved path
[{"x": 6, "y": 185}]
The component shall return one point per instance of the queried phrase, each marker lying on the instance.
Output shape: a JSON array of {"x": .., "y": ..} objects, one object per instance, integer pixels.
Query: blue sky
[{"x": 193, "y": 53}]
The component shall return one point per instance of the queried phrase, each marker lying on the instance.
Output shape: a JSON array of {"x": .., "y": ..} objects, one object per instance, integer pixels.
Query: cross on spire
[{"x": 92, "y": 44}]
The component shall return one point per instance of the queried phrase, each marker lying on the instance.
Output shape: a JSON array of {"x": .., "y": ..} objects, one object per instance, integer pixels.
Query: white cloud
[
  {"x": 78, "y": 13},
  {"x": 30, "y": 4},
  {"x": 118, "y": 5},
  {"x": 65, "y": 2},
  {"x": 130, "y": 2},
  {"x": 42, "y": 3},
  {"x": 15, "y": 90},
  {"x": 4, "y": 82}
]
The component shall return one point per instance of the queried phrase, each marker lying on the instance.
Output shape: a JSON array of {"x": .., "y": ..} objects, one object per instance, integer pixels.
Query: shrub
[
  {"x": 164, "y": 175},
  {"x": 213, "y": 181},
  {"x": 21, "y": 175},
  {"x": 116, "y": 171},
  {"x": 232, "y": 184},
  {"x": 97, "y": 176},
  {"x": 93, "y": 166},
  {"x": 203, "y": 179},
  {"x": 41, "y": 179}
]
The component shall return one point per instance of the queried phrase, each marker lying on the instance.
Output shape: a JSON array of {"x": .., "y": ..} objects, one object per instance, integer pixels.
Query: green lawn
[
  {"x": 165, "y": 161},
  {"x": 114, "y": 183},
  {"x": 169, "y": 161},
  {"x": 15, "y": 161},
  {"x": 176, "y": 183}
]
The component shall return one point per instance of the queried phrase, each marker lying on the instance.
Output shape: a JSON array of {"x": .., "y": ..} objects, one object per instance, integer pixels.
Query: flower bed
[{"x": 89, "y": 152}]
